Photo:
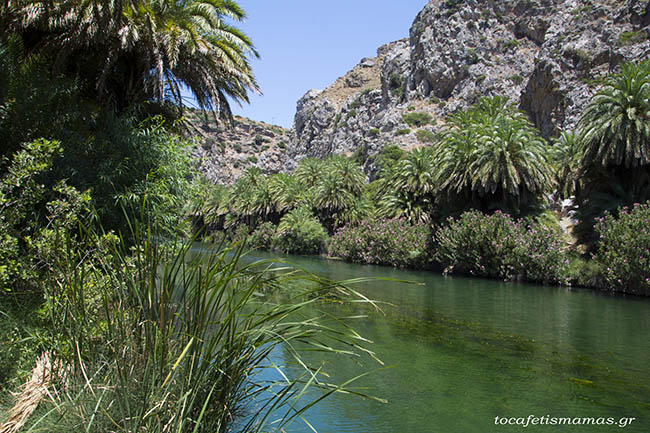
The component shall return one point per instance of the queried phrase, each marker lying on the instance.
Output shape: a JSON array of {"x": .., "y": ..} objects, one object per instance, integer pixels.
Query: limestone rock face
[
  {"x": 222, "y": 154},
  {"x": 547, "y": 56}
]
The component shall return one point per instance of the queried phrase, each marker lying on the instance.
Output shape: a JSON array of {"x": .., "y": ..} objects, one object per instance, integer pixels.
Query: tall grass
[{"x": 162, "y": 339}]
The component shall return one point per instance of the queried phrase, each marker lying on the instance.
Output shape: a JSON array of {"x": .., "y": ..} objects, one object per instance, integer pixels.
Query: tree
[
  {"x": 615, "y": 128},
  {"x": 350, "y": 173},
  {"x": 310, "y": 171},
  {"x": 331, "y": 199},
  {"x": 614, "y": 142},
  {"x": 491, "y": 157},
  {"x": 134, "y": 51}
]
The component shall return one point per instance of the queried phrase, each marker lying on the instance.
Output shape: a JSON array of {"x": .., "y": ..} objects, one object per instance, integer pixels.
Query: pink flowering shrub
[
  {"x": 393, "y": 242},
  {"x": 498, "y": 246},
  {"x": 624, "y": 250}
]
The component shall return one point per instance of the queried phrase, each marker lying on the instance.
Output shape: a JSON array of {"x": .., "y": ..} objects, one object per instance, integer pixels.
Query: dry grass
[{"x": 26, "y": 402}]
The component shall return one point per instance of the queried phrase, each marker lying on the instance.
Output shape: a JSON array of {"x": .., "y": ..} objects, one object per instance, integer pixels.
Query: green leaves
[
  {"x": 615, "y": 127},
  {"x": 493, "y": 151},
  {"x": 141, "y": 50}
]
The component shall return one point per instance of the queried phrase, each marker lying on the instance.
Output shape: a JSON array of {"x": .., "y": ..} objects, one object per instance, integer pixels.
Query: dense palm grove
[{"x": 478, "y": 200}]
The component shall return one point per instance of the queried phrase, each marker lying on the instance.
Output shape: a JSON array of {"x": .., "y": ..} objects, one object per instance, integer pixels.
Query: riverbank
[{"x": 485, "y": 245}]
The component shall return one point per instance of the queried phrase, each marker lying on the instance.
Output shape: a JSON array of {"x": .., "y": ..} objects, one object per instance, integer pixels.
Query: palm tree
[
  {"x": 566, "y": 156},
  {"x": 350, "y": 173},
  {"x": 512, "y": 159},
  {"x": 398, "y": 204},
  {"x": 614, "y": 142},
  {"x": 615, "y": 128},
  {"x": 415, "y": 173},
  {"x": 141, "y": 50},
  {"x": 490, "y": 156},
  {"x": 310, "y": 171},
  {"x": 411, "y": 187},
  {"x": 287, "y": 191},
  {"x": 331, "y": 198}
]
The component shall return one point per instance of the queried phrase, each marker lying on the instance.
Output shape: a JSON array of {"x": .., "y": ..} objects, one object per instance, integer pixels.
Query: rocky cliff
[
  {"x": 545, "y": 55},
  {"x": 223, "y": 153}
]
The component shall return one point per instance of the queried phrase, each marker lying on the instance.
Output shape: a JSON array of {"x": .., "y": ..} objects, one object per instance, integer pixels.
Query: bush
[
  {"x": 300, "y": 232},
  {"x": 403, "y": 131},
  {"x": 263, "y": 237},
  {"x": 252, "y": 159},
  {"x": 373, "y": 132},
  {"x": 392, "y": 242},
  {"x": 416, "y": 119},
  {"x": 498, "y": 246},
  {"x": 624, "y": 250},
  {"x": 425, "y": 136}
]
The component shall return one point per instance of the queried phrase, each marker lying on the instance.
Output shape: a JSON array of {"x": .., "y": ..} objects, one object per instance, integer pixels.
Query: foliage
[
  {"x": 615, "y": 127},
  {"x": 31, "y": 215},
  {"x": 491, "y": 157},
  {"x": 416, "y": 119},
  {"x": 300, "y": 232},
  {"x": 388, "y": 158},
  {"x": 263, "y": 237},
  {"x": 393, "y": 242},
  {"x": 180, "y": 341},
  {"x": 425, "y": 136},
  {"x": 614, "y": 139},
  {"x": 144, "y": 50},
  {"x": 624, "y": 250},
  {"x": 498, "y": 246}
]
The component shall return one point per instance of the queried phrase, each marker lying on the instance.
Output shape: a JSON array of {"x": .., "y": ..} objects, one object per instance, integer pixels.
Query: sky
[{"x": 308, "y": 44}]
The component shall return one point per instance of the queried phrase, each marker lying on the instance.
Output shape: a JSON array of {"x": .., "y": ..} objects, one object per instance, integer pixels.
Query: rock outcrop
[
  {"x": 223, "y": 153},
  {"x": 547, "y": 56}
]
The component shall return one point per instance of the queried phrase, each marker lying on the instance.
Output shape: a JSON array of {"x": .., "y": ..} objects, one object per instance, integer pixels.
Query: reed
[{"x": 162, "y": 338}]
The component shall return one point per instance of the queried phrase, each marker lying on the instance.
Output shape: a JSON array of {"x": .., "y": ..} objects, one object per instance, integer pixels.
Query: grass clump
[
  {"x": 418, "y": 119},
  {"x": 425, "y": 136},
  {"x": 163, "y": 337}
]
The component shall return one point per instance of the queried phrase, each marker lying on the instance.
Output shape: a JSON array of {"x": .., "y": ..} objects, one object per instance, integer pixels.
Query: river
[{"x": 464, "y": 351}]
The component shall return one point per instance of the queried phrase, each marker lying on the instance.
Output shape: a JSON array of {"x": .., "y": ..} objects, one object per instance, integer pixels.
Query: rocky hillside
[
  {"x": 545, "y": 55},
  {"x": 224, "y": 153}
]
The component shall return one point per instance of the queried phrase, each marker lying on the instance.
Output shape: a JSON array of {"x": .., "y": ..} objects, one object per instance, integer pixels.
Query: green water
[{"x": 466, "y": 350}]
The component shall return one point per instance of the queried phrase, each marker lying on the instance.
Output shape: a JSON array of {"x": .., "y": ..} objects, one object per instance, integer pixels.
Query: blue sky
[{"x": 307, "y": 44}]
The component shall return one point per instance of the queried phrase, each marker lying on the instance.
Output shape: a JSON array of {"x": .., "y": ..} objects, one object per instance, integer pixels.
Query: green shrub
[
  {"x": 631, "y": 38},
  {"x": 300, "y": 232},
  {"x": 26, "y": 235},
  {"x": 252, "y": 159},
  {"x": 425, "y": 136},
  {"x": 624, "y": 249},
  {"x": 351, "y": 114},
  {"x": 512, "y": 43},
  {"x": 393, "y": 242},
  {"x": 403, "y": 131},
  {"x": 373, "y": 132},
  {"x": 498, "y": 246},
  {"x": 237, "y": 147},
  {"x": 181, "y": 339},
  {"x": 517, "y": 79},
  {"x": 356, "y": 104},
  {"x": 417, "y": 119},
  {"x": 282, "y": 145},
  {"x": 263, "y": 237}
]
